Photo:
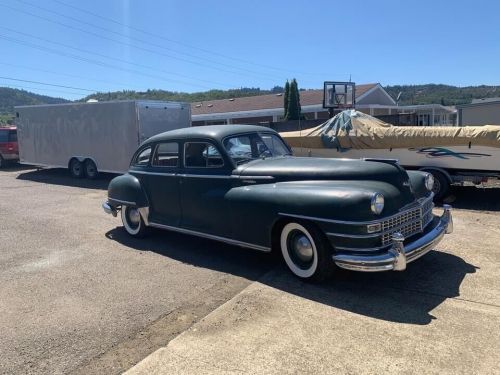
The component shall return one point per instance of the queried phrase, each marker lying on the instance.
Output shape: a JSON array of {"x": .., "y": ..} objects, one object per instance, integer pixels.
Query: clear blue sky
[{"x": 187, "y": 45}]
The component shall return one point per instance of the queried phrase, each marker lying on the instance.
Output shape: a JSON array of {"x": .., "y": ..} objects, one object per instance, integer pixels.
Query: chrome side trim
[
  {"x": 354, "y": 222},
  {"x": 205, "y": 176},
  {"x": 210, "y": 237},
  {"x": 128, "y": 203},
  {"x": 154, "y": 173},
  {"x": 255, "y": 177},
  {"x": 372, "y": 235}
]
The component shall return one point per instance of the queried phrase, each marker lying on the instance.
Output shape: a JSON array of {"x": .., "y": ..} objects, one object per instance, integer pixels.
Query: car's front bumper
[{"x": 399, "y": 254}]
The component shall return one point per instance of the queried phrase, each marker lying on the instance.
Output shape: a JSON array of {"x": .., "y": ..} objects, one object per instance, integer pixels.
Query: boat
[{"x": 452, "y": 154}]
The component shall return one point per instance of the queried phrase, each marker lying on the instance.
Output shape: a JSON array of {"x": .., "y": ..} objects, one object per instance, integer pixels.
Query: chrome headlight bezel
[
  {"x": 377, "y": 203},
  {"x": 429, "y": 181}
]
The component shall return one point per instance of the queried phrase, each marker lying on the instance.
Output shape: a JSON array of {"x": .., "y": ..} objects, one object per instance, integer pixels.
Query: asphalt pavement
[{"x": 77, "y": 295}]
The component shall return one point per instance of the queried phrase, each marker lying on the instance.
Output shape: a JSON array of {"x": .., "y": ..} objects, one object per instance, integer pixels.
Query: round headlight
[
  {"x": 429, "y": 181},
  {"x": 377, "y": 204}
]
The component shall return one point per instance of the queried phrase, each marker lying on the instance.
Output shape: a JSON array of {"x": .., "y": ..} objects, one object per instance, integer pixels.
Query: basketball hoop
[{"x": 339, "y": 96}]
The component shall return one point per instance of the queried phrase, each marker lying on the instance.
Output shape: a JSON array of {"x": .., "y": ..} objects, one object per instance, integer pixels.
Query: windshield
[{"x": 243, "y": 148}]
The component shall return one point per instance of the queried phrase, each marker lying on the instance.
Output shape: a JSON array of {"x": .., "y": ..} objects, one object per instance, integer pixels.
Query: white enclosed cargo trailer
[{"x": 92, "y": 137}]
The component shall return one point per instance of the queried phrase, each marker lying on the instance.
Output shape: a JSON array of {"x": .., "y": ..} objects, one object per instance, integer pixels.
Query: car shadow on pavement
[
  {"x": 199, "y": 252},
  {"x": 60, "y": 176},
  {"x": 475, "y": 198},
  {"x": 402, "y": 297}
]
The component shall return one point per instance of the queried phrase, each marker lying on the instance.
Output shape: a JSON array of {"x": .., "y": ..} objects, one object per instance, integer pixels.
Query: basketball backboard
[{"x": 339, "y": 95}]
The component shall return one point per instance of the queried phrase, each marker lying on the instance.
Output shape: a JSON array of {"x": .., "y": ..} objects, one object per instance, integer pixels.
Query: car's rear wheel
[
  {"x": 132, "y": 221},
  {"x": 76, "y": 168},
  {"x": 306, "y": 252},
  {"x": 90, "y": 169},
  {"x": 2, "y": 162}
]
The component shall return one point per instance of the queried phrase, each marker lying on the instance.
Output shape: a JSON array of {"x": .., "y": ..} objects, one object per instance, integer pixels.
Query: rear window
[
  {"x": 8, "y": 135},
  {"x": 143, "y": 157}
]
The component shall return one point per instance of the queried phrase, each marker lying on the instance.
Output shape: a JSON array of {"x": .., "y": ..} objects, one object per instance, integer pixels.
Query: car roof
[{"x": 217, "y": 132}]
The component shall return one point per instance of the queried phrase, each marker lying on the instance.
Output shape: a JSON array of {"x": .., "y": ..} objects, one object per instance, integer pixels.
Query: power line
[
  {"x": 65, "y": 74},
  {"x": 145, "y": 32},
  {"x": 91, "y": 61},
  {"x": 113, "y": 58},
  {"x": 10, "y": 86},
  {"x": 133, "y": 38},
  {"x": 126, "y": 43},
  {"x": 47, "y": 84}
]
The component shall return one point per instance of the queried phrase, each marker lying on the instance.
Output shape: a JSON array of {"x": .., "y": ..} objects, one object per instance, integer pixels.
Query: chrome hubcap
[
  {"x": 436, "y": 187},
  {"x": 302, "y": 248},
  {"x": 134, "y": 216}
]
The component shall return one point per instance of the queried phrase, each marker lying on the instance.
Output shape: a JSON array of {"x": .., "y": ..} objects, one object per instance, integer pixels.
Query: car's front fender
[
  {"x": 126, "y": 190},
  {"x": 256, "y": 208}
]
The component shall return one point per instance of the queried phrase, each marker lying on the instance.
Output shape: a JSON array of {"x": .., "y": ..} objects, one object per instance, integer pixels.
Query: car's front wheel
[
  {"x": 132, "y": 221},
  {"x": 306, "y": 252}
]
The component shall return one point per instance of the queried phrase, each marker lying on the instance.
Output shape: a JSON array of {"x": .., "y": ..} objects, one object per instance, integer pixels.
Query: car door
[
  {"x": 163, "y": 182},
  {"x": 206, "y": 179}
]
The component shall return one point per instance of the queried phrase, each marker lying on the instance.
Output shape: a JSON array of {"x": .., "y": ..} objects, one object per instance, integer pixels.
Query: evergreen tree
[
  {"x": 293, "y": 111},
  {"x": 285, "y": 99}
]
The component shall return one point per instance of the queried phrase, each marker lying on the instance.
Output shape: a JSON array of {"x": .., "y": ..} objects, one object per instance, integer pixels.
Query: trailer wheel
[
  {"x": 441, "y": 185},
  {"x": 76, "y": 168},
  {"x": 90, "y": 169}
]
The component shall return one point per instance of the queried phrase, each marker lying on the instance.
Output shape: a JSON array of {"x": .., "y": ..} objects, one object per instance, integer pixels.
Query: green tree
[
  {"x": 285, "y": 99},
  {"x": 293, "y": 109}
]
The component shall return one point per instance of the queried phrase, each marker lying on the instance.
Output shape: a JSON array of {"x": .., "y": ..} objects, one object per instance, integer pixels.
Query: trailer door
[{"x": 155, "y": 118}]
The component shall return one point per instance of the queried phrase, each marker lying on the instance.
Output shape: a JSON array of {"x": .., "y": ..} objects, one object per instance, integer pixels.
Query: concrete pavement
[{"x": 440, "y": 316}]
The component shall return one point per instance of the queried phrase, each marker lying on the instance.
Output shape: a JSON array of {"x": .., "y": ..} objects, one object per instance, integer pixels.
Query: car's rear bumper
[
  {"x": 399, "y": 254},
  {"x": 10, "y": 157},
  {"x": 109, "y": 209}
]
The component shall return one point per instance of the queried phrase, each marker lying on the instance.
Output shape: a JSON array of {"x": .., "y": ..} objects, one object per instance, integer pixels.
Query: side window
[
  {"x": 143, "y": 157},
  {"x": 201, "y": 155},
  {"x": 166, "y": 155}
]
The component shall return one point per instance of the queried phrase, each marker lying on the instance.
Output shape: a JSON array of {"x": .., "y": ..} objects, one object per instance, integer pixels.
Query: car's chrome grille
[{"x": 408, "y": 222}]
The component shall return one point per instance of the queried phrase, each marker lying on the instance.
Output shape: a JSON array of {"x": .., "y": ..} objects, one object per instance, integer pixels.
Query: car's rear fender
[{"x": 126, "y": 190}]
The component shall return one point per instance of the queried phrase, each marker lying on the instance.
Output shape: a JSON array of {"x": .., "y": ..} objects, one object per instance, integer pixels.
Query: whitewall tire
[
  {"x": 132, "y": 221},
  {"x": 298, "y": 250}
]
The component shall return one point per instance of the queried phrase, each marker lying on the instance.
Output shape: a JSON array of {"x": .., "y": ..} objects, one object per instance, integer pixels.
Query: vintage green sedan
[{"x": 240, "y": 184}]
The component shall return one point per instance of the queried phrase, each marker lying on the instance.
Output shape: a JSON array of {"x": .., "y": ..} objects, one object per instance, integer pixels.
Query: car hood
[{"x": 311, "y": 169}]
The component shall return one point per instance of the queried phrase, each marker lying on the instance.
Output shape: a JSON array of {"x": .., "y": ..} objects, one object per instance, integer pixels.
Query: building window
[{"x": 216, "y": 122}]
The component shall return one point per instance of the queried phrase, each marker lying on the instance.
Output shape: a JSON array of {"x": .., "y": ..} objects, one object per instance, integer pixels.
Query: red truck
[{"x": 9, "y": 151}]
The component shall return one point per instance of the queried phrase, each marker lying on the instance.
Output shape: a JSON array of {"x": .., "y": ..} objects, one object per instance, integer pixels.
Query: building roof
[
  {"x": 250, "y": 103},
  {"x": 216, "y": 132},
  {"x": 478, "y": 102}
]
